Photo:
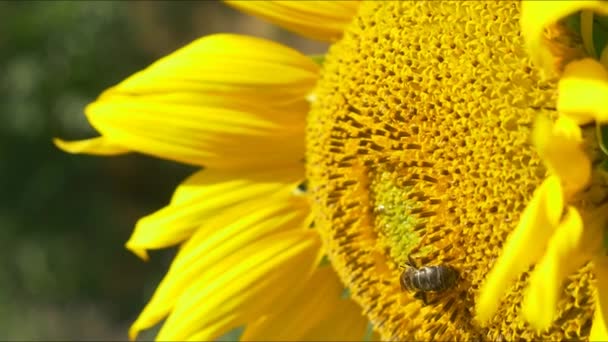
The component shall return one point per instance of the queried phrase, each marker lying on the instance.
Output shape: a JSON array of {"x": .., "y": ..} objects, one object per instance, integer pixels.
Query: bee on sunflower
[{"x": 453, "y": 133}]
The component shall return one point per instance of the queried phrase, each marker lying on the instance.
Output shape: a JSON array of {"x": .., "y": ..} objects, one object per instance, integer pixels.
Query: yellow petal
[
  {"x": 244, "y": 68},
  {"x": 185, "y": 107},
  {"x": 583, "y": 91},
  {"x": 256, "y": 281},
  {"x": 99, "y": 146},
  {"x": 537, "y": 15},
  {"x": 525, "y": 245},
  {"x": 599, "y": 328},
  {"x": 317, "y": 313},
  {"x": 240, "y": 227},
  {"x": 567, "y": 251},
  {"x": 203, "y": 196},
  {"x": 560, "y": 147},
  {"x": 201, "y": 130},
  {"x": 347, "y": 324},
  {"x": 322, "y": 20}
]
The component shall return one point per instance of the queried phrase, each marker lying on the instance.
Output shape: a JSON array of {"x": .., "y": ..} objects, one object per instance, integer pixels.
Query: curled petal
[
  {"x": 583, "y": 91},
  {"x": 536, "y": 16},
  {"x": 98, "y": 146},
  {"x": 560, "y": 147},
  {"x": 567, "y": 251},
  {"x": 524, "y": 247}
]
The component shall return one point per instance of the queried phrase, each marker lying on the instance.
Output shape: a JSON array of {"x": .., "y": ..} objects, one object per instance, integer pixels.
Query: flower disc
[{"x": 418, "y": 147}]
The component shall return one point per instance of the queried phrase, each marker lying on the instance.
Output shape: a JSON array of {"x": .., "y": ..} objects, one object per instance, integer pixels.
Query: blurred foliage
[{"x": 64, "y": 219}]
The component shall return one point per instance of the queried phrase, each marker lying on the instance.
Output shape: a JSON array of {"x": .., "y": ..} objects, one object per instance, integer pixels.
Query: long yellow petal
[
  {"x": 322, "y": 20},
  {"x": 347, "y": 323},
  {"x": 583, "y": 91},
  {"x": 537, "y": 15},
  {"x": 245, "y": 68},
  {"x": 315, "y": 314},
  {"x": 225, "y": 101},
  {"x": 255, "y": 282},
  {"x": 213, "y": 132},
  {"x": 565, "y": 253},
  {"x": 240, "y": 227},
  {"x": 205, "y": 195},
  {"x": 560, "y": 147},
  {"x": 599, "y": 328},
  {"x": 99, "y": 146},
  {"x": 525, "y": 245}
]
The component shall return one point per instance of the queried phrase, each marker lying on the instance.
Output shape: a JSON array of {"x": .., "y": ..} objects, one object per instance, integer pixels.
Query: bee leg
[
  {"x": 411, "y": 261},
  {"x": 422, "y": 296}
]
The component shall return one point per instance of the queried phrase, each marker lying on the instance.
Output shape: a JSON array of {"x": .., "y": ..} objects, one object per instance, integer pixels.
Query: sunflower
[{"x": 447, "y": 133}]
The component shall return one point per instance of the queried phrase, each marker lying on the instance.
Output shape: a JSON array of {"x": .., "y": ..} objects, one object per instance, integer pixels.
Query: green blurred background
[{"x": 64, "y": 274}]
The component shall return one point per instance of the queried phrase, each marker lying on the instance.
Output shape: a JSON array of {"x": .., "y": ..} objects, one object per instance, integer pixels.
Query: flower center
[{"x": 418, "y": 149}]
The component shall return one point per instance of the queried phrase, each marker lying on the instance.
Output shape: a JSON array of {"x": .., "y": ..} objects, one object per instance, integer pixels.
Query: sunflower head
[{"x": 418, "y": 147}]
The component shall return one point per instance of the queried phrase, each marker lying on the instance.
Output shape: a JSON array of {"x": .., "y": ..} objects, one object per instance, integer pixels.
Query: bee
[{"x": 436, "y": 278}]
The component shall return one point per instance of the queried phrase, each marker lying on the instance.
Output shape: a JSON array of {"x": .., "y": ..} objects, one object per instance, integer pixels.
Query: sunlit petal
[
  {"x": 226, "y": 235},
  {"x": 245, "y": 286},
  {"x": 560, "y": 147},
  {"x": 206, "y": 195},
  {"x": 224, "y": 101},
  {"x": 317, "y": 313},
  {"x": 565, "y": 253},
  {"x": 214, "y": 132},
  {"x": 583, "y": 91},
  {"x": 346, "y": 324},
  {"x": 98, "y": 146},
  {"x": 323, "y": 20},
  {"x": 525, "y": 245}
]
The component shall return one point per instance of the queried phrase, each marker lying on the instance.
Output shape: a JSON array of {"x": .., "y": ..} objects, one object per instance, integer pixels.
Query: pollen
[{"x": 418, "y": 147}]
